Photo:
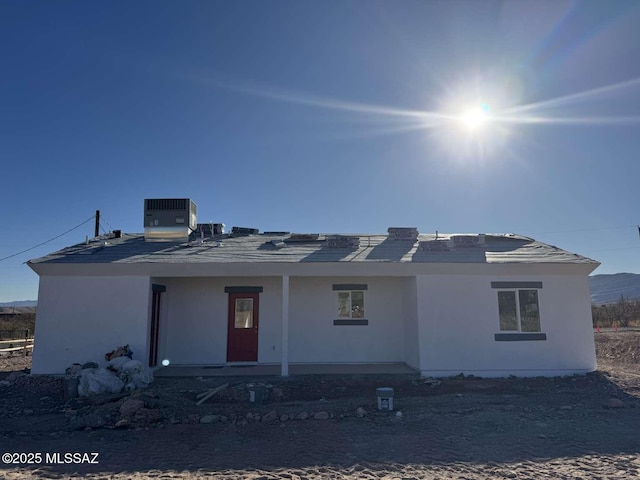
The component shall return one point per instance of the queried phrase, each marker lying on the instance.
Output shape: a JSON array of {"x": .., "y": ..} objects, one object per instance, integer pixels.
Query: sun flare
[{"x": 476, "y": 117}]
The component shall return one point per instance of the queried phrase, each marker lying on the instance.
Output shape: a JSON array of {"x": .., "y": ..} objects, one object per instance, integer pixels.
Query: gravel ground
[{"x": 314, "y": 427}]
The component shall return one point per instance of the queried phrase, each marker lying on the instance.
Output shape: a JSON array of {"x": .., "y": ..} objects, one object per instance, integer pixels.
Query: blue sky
[{"x": 321, "y": 116}]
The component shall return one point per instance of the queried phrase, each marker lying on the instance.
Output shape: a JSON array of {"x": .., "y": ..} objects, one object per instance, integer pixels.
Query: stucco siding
[
  {"x": 410, "y": 313},
  {"x": 79, "y": 319},
  {"x": 194, "y": 328},
  {"x": 459, "y": 318},
  {"x": 313, "y": 337}
]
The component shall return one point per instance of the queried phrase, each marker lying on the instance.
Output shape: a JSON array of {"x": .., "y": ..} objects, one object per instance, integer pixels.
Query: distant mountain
[
  {"x": 20, "y": 303},
  {"x": 609, "y": 288}
]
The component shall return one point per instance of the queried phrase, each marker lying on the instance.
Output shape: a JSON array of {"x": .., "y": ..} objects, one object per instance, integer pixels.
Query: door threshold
[{"x": 241, "y": 364}]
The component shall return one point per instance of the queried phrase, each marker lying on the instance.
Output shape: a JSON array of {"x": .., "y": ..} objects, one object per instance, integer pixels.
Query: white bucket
[{"x": 385, "y": 398}]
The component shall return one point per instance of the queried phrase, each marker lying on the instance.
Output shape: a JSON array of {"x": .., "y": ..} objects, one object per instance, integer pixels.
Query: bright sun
[{"x": 476, "y": 117}]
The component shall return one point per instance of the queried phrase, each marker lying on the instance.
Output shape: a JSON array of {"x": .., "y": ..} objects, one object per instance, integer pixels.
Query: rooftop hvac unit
[
  {"x": 465, "y": 241},
  {"x": 343, "y": 241},
  {"x": 169, "y": 219},
  {"x": 435, "y": 245},
  {"x": 403, "y": 233}
]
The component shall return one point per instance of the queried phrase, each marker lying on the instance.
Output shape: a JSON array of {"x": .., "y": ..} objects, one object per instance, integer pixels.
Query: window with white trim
[
  {"x": 351, "y": 304},
  {"x": 519, "y": 310}
]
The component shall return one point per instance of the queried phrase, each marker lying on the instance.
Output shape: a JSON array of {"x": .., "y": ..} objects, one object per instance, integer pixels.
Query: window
[
  {"x": 519, "y": 311},
  {"x": 243, "y": 313},
  {"x": 351, "y": 304}
]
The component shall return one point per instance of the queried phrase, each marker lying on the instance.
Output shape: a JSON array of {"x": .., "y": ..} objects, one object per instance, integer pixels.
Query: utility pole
[{"x": 97, "y": 223}]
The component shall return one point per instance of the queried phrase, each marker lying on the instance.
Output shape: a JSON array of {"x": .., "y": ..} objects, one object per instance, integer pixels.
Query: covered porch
[
  {"x": 286, "y": 325},
  {"x": 294, "y": 369}
]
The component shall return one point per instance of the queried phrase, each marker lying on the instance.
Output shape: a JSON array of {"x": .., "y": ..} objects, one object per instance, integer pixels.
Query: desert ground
[{"x": 328, "y": 427}]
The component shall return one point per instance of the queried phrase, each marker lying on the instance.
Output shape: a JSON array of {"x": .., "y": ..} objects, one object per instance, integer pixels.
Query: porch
[{"x": 294, "y": 369}]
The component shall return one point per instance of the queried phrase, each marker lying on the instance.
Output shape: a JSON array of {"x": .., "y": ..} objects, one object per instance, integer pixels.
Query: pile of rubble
[{"x": 122, "y": 373}]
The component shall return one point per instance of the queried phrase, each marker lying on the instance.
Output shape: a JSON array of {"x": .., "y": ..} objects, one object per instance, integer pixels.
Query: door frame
[
  {"x": 154, "y": 327},
  {"x": 251, "y": 335}
]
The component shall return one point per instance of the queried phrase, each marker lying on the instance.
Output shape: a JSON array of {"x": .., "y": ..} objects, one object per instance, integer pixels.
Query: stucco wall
[
  {"x": 79, "y": 319},
  {"x": 314, "y": 338},
  {"x": 410, "y": 313},
  {"x": 458, "y": 318},
  {"x": 193, "y": 328}
]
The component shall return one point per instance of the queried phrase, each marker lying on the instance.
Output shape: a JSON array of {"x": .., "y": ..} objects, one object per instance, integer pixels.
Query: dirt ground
[{"x": 328, "y": 427}]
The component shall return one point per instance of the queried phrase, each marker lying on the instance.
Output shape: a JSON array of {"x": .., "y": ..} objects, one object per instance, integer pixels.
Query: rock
[
  {"x": 276, "y": 393},
  {"x": 4, "y": 383},
  {"x": 91, "y": 420},
  {"x": 27, "y": 411},
  {"x": 73, "y": 369},
  {"x": 148, "y": 416},
  {"x": 284, "y": 417},
  {"x": 224, "y": 419},
  {"x": 42, "y": 399},
  {"x": 87, "y": 365},
  {"x": 123, "y": 422},
  {"x": 321, "y": 416},
  {"x": 130, "y": 406},
  {"x": 210, "y": 418},
  {"x": 249, "y": 416},
  {"x": 566, "y": 407},
  {"x": 256, "y": 417},
  {"x": 270, "y": 417},
  {"x": 361, "y": 412},
  {"x": 613, "y": 403},
  {"x": 302, "y": 416}
]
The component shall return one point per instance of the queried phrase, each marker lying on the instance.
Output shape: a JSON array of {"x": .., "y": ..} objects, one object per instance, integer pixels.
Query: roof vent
[
  {"x": 465, "y": 241},
  {"x": 169, "y": 219},
  {"x": 244, "y": 231},
  {"x": 435, "y": 245},
  {"x": 407, "y": 234},
  {"x": 343, "y": 241},
  {"x": 303, "y": 237}
]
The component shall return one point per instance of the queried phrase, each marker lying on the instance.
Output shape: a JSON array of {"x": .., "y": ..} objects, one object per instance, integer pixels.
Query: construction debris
[
  {"x": 203, "y": 397},
  {"x": 120, "y": 374}
]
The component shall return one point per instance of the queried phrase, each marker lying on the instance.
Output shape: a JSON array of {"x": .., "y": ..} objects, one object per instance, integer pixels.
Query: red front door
[{"x": 242, "y": 341}]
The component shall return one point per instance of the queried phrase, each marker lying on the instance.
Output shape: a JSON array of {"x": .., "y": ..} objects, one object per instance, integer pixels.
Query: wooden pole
[{"x": 97, "y": 223}]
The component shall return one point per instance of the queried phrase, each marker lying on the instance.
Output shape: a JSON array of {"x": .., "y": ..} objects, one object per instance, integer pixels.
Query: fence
[{"x": 15, "y": 341}]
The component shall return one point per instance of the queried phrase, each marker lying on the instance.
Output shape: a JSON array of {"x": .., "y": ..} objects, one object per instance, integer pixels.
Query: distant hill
[
  {"x": 609, "y": 288},
  {"x": 20, "y": 303}
]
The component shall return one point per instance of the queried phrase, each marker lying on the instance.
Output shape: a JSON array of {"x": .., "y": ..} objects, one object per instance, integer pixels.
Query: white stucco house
[{"x": 482, "y": 304}]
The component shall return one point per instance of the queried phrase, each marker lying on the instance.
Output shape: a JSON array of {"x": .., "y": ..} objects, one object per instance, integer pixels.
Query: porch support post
[{"x": 285, "y": 326}]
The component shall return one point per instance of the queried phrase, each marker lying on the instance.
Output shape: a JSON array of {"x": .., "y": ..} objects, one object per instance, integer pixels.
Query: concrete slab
[{"x": 294, "y": 369}]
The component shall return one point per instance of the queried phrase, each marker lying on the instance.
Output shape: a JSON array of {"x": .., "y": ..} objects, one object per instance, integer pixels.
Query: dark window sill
[
  {"x": 519, "y": 337},
  {"x": 351, "y": 321}
]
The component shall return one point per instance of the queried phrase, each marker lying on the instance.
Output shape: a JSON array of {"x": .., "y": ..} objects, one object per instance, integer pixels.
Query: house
[{"x": 482, "y": 304}]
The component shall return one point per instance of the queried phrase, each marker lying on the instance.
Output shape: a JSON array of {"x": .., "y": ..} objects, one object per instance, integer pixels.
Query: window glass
[
  {"x": 357, "y": 304},
  {"x": 507, "y": 309},
  {"x": 343, "y": 305},
  {"x": 529, "y": 312},
  {"x": 244, "y": 313}
]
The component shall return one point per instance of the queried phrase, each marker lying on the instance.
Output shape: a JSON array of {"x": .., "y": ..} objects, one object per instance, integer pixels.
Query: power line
[
  {"x": 105, "y": 221},
  {"x": 50, "y": 240}
]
